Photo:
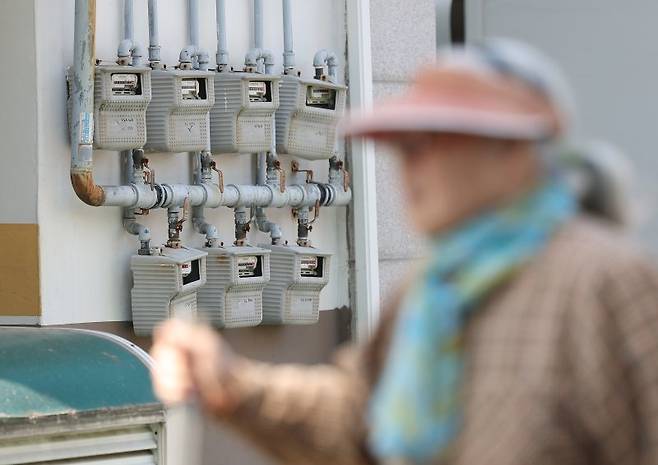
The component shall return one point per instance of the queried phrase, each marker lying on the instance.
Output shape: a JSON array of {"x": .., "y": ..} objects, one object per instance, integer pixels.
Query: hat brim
[{"x": 393, "y": 118}]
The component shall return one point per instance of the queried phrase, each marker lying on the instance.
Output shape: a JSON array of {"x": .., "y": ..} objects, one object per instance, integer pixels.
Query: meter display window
[
  {"x": 126, "y": 84},
  {"x": 311, "y": 266},
  {"x": 260, "y": 91},
  {"x": 321, "y": 97},
  {"x": 193, "y": 89},
  {"x": 191, "y": 272},
  {"x": 250, "y": 266}
]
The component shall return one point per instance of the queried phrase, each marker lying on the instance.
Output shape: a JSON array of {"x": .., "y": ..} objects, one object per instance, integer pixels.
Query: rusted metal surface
[{"x": 86, "y": 189}]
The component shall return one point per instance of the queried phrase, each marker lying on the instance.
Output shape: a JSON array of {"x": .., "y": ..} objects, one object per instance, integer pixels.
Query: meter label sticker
[
  {"x": 313, "y": 135},
  {"x": 303, "y": 304},
  {"x": 253, "y": 132},
  {"x": 245, "y": 305},
  {"x": 86, "y": 128},
  {"x": 186, "y": 268},
  {"x": 185, "y": 310},
  {"x": 123, "y": 127}
]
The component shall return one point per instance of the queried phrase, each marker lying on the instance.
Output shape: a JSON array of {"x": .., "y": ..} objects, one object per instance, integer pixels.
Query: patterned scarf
[{"x": 415, "y": 412}]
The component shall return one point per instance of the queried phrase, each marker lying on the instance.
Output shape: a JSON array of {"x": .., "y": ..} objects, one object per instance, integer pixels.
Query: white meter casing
[
  {"x": 242, "y": 120},
  {"x": 233, "y": 294},
  {"x": 121, "y": 98},
  {"x": 165, "y": 285},
  {"x": 298, "y": 276},
  {"x": 178, "y": 118},
  {"x": 308, "y": 116}
]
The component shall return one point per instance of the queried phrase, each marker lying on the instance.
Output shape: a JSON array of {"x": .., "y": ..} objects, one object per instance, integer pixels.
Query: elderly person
[{"x": 528, "y": 336}]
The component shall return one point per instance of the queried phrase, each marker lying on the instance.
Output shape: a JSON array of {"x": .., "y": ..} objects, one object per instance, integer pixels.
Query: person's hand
[{"x": 191, "y": 361}]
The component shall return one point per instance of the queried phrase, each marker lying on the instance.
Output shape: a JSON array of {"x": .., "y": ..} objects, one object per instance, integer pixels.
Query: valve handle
[{"x": 220, "y": 176}]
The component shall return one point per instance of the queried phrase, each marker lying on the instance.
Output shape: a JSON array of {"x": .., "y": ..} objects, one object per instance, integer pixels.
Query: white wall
[
  {"x": 609, "y": 50},
  {"x": 18, "y": 156},
  {"x": 84, "y": 250}
]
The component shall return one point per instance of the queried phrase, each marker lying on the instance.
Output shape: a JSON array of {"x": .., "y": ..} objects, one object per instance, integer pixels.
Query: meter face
[
  {"x": 191, "y": 271},
  {"x": 193, "y": 89},
  {"x": 311, "y": 266},
  {"x": 249, "y": 267},
  {"x": 260, "y": 91},
  {"x": 321, "y": 97},
  {"x": 126, "y": 84}
]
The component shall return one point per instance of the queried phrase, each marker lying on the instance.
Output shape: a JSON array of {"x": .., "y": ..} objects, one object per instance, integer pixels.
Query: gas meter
[
  {"x": 178, "y": 119},
  {"x": 307, "y": 118},
  {"x": 243, "y": 119},
  {"x": 233, "y": 294},
  {"x": 293, "y": 294},
  {"x": 122, "y": 95},
  {"x": 165, "y": 285}
]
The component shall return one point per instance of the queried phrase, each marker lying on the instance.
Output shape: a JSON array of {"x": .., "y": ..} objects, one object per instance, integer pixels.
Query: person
[{"x": 527, "y": 336}]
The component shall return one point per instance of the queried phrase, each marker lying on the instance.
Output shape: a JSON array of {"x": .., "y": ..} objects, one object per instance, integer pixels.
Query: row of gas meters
[
  {"x": 229, "y": 287},
  {"x": 181, "y": 110}
]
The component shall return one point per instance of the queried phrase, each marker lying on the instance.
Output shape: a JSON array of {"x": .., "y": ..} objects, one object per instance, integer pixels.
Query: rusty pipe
[{"x": 82, "y": 95}]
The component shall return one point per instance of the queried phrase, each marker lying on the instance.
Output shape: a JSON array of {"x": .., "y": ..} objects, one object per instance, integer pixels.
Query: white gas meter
[
  {"x": 308, "y": 116},
  {"x": 121, "y": 97},
  {"x": 178, "y": 118},
  {"x": 293, "y": 293},
  {"x": 165, "y": 285},
  {"x": 243, "y": 119},
  {"x": 233, "y": 294}
]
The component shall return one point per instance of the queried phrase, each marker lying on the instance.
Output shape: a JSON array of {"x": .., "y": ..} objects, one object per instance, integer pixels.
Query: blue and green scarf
[{"x": 415, "y": 411}]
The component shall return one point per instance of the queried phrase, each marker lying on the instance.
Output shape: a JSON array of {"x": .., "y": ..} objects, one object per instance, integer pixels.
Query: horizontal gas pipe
[{"x": 209, "y": 195}]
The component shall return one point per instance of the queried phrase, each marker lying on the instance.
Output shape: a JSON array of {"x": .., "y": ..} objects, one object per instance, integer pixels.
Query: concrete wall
[
  {"x": 84, "y": 251},
  {"x": 610, "y": 54},
  {"x": 403, "y": 37}
]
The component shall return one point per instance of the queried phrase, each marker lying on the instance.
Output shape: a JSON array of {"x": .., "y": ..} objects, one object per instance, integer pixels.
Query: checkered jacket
[{"x": 561, "y": 368}]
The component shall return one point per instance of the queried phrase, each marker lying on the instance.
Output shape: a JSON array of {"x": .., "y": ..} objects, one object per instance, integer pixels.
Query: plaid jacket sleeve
[
  {"x": 304, "y": 415},
  {"x": 610, "y": 354}
]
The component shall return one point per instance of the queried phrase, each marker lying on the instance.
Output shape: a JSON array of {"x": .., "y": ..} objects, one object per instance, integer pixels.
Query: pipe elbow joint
[
  {"x": 252, "y": 56},
  {"x": 137, "y": 229},
  {"x": 324, "y": 57},
  {"x": 186, "y": 54},
  {"x": 255, "y": 55},
  {"x": 125, "y": 47},
  {"x": 86, "y": 189}
]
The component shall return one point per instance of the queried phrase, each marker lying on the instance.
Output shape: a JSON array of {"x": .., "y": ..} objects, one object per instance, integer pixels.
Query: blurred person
[{"x": 529, "y": 335}]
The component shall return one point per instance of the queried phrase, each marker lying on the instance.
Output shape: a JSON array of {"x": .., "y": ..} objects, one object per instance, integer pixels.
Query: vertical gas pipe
[{"x": 288, "y": 48}]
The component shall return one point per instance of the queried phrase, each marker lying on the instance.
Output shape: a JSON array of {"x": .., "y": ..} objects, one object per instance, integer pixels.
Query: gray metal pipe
[
  {"x": 132, "y": 160},
  {"x": 258, "y": 23},
  {"x": 128, "y": 47},
  {"x": 128, "y": 26},
  {"x": 154, "y": 35},
  {"x": 262, "y": 222},
  {"x": 193, "y": 20},
  {"x": 288, "y": 48},
  {"x": 193, "y": 54},
  {"x": 222, "y": 42},
  {"x": 268, "y": 227},
  {"x": 258, "y": 54},
  {"x": 203, "y": 174}
]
